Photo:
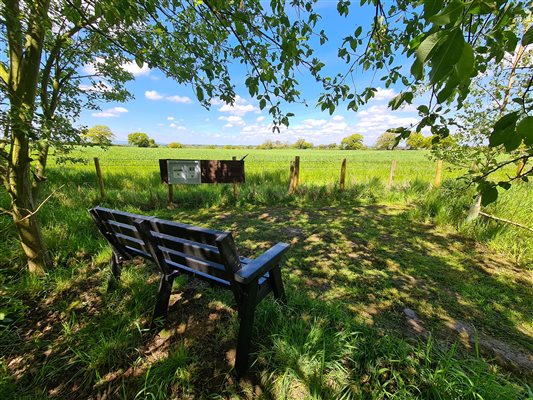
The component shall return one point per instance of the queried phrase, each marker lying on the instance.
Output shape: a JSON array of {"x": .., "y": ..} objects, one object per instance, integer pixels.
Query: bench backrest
[{"x": 206, "y": 253}]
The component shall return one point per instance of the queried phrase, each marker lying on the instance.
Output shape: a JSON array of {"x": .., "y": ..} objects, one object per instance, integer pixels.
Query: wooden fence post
[
  {"x": 99, "y": 177},
  {"x": 296, "y": 172},
  {"x": 235, "y": 188},
  {"x": 170, "y": 193},
  {"x": 392, "y": 172},
  {"x": 438, "y": 174},
  {"x": 291, "y": 178},
  {"x": 519, "y": 168},
  {"x": 343, "y": 175}
]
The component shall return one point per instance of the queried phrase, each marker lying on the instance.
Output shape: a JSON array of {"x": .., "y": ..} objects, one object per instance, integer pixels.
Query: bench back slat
[
  {"x": 119, "y": 226},
  {"x": 187, "y": 232},
  {"x": 174, "y": 246},
  {"x": 188, "y": 247},
  {"x": 210, "y": 268}
]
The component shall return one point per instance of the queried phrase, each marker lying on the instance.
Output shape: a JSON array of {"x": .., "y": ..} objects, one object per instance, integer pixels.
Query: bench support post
[
  {"x": 162, "y": 300},
  {"x": 115, "y": 263},
  {"x": 246, "y": 316},
  {"x": 277, "y": 284}
]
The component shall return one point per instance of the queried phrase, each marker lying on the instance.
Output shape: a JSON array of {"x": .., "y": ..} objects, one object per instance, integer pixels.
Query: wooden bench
[{"x": 204, "y": 253}]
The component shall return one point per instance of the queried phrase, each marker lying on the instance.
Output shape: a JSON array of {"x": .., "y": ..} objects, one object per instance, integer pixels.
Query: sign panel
[
  {"x": 184, "y": 172},
  {"x": 222, "y": 171},
  {"x": 201, "y": 171}
]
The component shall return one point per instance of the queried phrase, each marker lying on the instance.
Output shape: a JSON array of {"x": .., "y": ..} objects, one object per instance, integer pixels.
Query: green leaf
[
  {"x": 506, "y": 122},
  {"x": 199, "y": 93},
  {"x": 512, "y": 141},
  {"x": 465, "y": 65},
  {"x": 138, "y": 59},
  {"x": 449, "y": 14},
  {"x": 428, "y": 45},
  {"x": 417, "y": 69},
  {"x": 525, "y": 130},
  {"x": 489, "y": 194},
  {"x": 528, "y": 36},
  {"x": 447, "y": 55},
  {"x": 503, "y": 132}
]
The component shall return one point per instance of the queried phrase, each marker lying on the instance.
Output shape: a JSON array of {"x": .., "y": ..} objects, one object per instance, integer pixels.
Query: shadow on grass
[{"x": 351, "y": 271}]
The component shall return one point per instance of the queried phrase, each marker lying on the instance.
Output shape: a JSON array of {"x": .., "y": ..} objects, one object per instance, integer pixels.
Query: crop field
[
  {"x": 390, "y": 294},
  {"x": 318, "y": 167}
]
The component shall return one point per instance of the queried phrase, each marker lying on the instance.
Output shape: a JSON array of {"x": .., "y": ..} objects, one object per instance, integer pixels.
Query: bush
[{"x": 175, "y": 145}]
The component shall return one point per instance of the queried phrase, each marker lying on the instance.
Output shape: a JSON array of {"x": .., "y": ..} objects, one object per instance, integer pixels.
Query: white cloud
[
  {"x": 181, "y": 128},
  {"x": 378, "y": 118},
  {"x": 260, "y": 118},
  {"x": 240, "y": 107},
  {"x": 170, "y": 118},
  {"x": 233, "y": 120},
  {"x": 110, "y": 112},
  {"x": 179, "y": 99},
  {"x": 314, "y": 122},
  {"x": 152, "y": 95},
  {"x": 134, "y": 69},
  {"x": 172, "y": 125},
  {"x": 371, "y": 123},
  {"x": 384, "y": 94}
]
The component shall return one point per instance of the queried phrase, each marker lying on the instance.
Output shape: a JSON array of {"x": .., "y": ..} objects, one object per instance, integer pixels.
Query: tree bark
[
  {"x": 473, "y": 213},
  {"x": 25, "y": 50},
  {"x": 40, "y": 168}
]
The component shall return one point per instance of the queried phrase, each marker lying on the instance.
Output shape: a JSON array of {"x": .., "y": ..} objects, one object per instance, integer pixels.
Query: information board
[
  {"x": 201, "y": 171},
  {"x": 184, "y": 172}
]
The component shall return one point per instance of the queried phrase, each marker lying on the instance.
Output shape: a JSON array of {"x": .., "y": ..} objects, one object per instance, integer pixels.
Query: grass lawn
[{"x": 385, "y": 300}]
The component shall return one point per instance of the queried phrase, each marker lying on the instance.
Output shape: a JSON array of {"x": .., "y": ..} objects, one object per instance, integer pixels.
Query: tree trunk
[
  {"x": 25, "y": 49},
  {"x": 473, "y": 213},
  {"x": 40, "y": 168},
  {"x": 26, "y": 223}
]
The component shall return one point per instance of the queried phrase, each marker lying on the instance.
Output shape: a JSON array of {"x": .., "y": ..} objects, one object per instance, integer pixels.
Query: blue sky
[{"x": 168, "y": 111}]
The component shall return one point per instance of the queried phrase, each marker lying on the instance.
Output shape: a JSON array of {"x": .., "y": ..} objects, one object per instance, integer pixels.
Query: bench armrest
[{"x": 262, "y": 264}]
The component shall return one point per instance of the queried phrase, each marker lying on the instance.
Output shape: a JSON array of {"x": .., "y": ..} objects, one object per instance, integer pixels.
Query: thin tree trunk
[
  {"x": 25, "y": 220},
  {"x": 473, "y": 213},
  {"x": 40, "y": 168}
]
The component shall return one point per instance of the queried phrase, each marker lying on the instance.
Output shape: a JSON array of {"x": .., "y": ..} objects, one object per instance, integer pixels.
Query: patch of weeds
[{"x": 169, "y": 377}]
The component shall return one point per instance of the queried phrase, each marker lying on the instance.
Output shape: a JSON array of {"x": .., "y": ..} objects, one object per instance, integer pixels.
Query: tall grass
[{"x": 449, "y": 205}]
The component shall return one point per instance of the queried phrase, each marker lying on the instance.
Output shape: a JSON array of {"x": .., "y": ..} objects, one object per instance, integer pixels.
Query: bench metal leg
[
  {"x": 246, "y": 315},
  {"x": 162, "y": 300},
  {"x": 277, "y": 284},
  {"x": 114, "y": 278}
]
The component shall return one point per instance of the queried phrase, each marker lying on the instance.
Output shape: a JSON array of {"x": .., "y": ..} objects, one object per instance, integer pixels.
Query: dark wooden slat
[
  {"x": 189, "y": 247},
  {"x": 118, "y": 216},
  {"x": 197, "y": 274},
  {"x": 137, "y": 252},
  {"x": 131, "y": 242},
  {"x": 119, "y": 227},
  {"x": 184, "y": 231},
  {"x": 206, "y": 267}
]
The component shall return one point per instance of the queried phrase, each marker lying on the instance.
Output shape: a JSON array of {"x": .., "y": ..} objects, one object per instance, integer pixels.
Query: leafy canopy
[
  {"x": 99, "y": 135},
  {"x": 352, "y": 142}
]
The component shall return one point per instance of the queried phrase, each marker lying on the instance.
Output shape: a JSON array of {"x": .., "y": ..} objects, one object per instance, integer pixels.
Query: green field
[
  {"x": 359, "y": 259},
  {"x": 318, "y": 167}
]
